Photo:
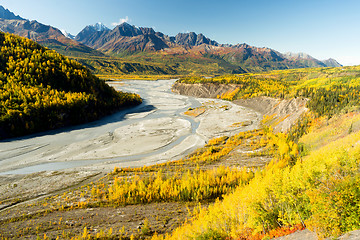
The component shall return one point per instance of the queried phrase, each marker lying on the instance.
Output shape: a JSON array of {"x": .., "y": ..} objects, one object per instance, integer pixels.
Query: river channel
[{"x": 153, "y": 132}]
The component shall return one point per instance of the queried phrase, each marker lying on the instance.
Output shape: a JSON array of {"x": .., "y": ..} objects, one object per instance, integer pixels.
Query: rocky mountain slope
[
  {"x": 192, "y": 39},
  {"x": 6, "y": 14},
  {"x": 311, "y": 61},
  {"x": 130, "y": 40},
  {"x": 123, "y": 37},
  {"x": 185, "y": 53},
  {"x": 331, "y": 63},
  {"x": 43, "y": 34}
]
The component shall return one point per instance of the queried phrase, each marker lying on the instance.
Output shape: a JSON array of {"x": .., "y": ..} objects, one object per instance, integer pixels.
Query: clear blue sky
[{"x": 321, "y": 28}]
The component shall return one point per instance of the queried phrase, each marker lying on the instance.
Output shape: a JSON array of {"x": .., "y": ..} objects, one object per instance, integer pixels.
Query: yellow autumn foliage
[{"x": 320, "y": 192}]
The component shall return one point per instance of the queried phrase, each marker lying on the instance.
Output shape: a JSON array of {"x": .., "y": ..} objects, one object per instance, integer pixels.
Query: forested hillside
[
  {"x": 330, "y": 90},
  {"x": 41, "y": 90}
]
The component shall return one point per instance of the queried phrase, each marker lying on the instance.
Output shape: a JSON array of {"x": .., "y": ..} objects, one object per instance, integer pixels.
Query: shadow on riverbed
[{"x": 115, "y": 117}]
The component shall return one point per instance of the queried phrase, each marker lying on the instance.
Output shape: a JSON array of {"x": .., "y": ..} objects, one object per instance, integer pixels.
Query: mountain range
[
  {"x": 185, "y": 53},
  {"x": 45, "y": 35},
  {"x": 125, "y": 37}
]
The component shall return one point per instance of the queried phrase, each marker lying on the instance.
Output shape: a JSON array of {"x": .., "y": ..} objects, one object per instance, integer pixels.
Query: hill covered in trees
[
  {"x": 331, "y": 90},
  {"x": 41, "y": 90}
]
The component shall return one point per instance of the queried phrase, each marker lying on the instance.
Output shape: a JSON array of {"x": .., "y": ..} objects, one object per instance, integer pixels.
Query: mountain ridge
[
  {"x": 6, "y": 14},
  {"x": 129, "y": 39},
  {"x": 184, "y": 53},
  {"x": 306, "y": 57},
  {"x": 45, "y": 35}
]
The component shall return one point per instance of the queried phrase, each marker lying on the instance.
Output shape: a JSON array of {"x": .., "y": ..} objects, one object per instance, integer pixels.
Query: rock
[
  {"x": 303, "y": 235},
  {"x": 70, "y": 223},
  {"x": 354, "y": 235}
]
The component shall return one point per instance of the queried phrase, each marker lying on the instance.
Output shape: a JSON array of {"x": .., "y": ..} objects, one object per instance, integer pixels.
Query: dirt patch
[
  {"x": 123, "y": 221},
  {"x": 245, "y": 155},
  {"x": 16, "y": 189},
  {"x": 224, "y": 118},
  {"x": 354, "y": 235},
  {"x": 303, "y": 235}
]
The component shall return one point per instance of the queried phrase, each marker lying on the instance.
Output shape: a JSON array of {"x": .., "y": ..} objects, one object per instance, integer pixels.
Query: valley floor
[
  {"x": 87, "y": 200},
  {"x": 51, "y": 202},
  {"x": 24, "y": 198}
]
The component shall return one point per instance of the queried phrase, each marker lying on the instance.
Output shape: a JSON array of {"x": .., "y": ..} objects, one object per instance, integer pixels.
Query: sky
[{"x": 322, "y": 28}]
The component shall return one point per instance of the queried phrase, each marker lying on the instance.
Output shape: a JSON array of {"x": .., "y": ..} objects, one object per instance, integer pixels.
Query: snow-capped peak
[
  {"x": 100, "y": 27},
  {"x": 66, "y": 34}
]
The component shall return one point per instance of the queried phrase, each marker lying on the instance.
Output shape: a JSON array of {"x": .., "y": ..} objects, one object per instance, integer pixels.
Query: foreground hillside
[
  {"x": 41, "y": 90},
  {"x": 314, "y": 185},
  {"x": 313, "y": 181}
]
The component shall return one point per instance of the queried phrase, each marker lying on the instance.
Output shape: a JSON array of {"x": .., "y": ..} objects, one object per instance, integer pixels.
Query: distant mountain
[
  {"x": 311, "y": 61},
  {"x": 298, "y": 55},
  {"x": 192, "y": 39},
  {"x": 332, "y": 63},
  {"x": 6, "y": 14},
  {"x": 124, "y": 37},
  {"x": 92, "y": 33},
  {"x": 100, "y": 27},
  {"x": 305, "y": 59},
  {"x": 48, "y": 36},
  {"x": 185, "y": 53},
  {"x": 131, "y": 40},
  {"x": 257, "y": 59},
  {"x": 89, "y": 35}
]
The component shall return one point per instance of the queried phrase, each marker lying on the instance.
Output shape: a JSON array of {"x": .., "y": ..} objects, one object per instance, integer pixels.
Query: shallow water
[
  {"x": 153, "y": 132},
  {"x": 28, "y": 155}
]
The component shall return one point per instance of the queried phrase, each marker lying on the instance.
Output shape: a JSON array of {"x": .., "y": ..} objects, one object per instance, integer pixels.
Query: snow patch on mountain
[
  {"x": 66, "y": 34},
  {"x": 100, "y": 27}
]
